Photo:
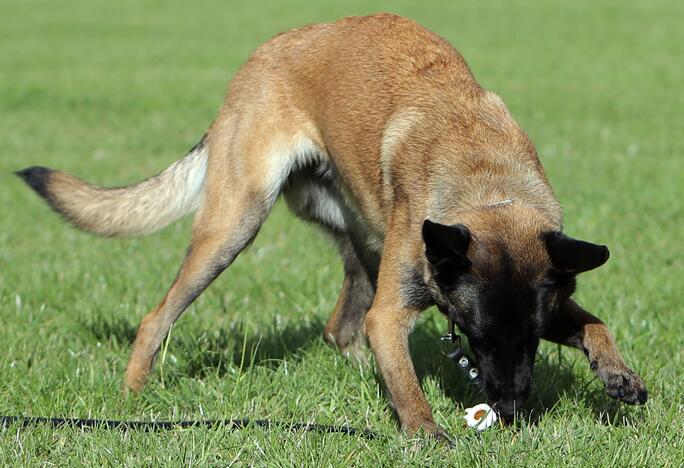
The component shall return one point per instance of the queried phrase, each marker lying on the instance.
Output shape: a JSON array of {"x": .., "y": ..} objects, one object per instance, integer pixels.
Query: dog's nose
[
  {"x": 509, "y": 403},
  {"x": 507, "y": 410},
  {"x": 506, "y": 417}
]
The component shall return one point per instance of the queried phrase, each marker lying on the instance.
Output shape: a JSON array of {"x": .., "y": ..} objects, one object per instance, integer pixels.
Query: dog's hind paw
[{"x": 624, "y": 385}]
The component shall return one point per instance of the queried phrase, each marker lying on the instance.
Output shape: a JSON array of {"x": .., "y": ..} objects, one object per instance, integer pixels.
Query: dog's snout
[
  {"x": 508, "y": 407},
  {"x": 508, "y": 402}
]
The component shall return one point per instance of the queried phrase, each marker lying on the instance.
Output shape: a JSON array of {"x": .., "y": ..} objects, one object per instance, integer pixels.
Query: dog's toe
[
  {"x": 625, "y": 385},
  {"x": 428, "y": 430},
  {"x": 442, "y": 436}
]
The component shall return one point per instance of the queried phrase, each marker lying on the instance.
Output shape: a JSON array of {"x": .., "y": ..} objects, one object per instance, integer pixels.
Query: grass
[{"x": 116, "y": 91}]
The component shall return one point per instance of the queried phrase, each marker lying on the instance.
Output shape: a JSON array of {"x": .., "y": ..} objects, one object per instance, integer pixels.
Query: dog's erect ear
[
  {"x": 445, "y": 249},
  {"x": 574, "y": 256}
]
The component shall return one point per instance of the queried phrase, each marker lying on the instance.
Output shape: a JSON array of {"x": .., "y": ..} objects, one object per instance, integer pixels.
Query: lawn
[{"x": 116, "y": 91}]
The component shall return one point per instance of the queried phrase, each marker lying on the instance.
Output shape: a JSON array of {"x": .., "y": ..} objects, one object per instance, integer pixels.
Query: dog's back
[
  {"x": 393, "y": 106},
  {"x": 398, "y": 110}
]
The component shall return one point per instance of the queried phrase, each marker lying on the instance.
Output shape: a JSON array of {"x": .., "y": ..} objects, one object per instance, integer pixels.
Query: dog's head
[{"x": 502, "y": 290}]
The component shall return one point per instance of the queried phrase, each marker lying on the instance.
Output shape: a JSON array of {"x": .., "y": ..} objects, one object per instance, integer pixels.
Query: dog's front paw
[
  {"x": 443, "y": 436},
  {"x": 623, "y": 384},
  {"x": 428, "y": 429}
]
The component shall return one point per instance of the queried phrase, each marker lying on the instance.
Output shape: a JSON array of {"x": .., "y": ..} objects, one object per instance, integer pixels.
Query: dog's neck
[
  {"x": 507, "y": 202},
  {"x": 504, "y": 207},
  {"x": 487, "y": 189}
]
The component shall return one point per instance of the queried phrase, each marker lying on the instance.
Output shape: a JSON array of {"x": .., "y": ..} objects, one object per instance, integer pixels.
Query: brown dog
[{"x": 374, "y": 128}]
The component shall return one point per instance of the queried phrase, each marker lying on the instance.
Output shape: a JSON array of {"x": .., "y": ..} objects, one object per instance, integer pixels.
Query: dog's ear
[
  {"x": 445, "y": 249},
  {"x": 570, "y": 255}
]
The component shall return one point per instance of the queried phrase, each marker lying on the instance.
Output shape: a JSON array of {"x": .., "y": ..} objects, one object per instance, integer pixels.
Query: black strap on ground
[
  {"x": 154, "y": 426},
  {"x": 456, "y": 353}
]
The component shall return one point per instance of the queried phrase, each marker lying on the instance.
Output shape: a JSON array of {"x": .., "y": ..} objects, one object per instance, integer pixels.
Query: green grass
[{"x": 115, "y": 91}]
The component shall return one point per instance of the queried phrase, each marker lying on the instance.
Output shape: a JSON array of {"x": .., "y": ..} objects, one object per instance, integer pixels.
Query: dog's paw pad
[{"x": 625, "y": 385}]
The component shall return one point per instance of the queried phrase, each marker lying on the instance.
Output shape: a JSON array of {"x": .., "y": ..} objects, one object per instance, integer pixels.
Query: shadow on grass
[
  {"x": 553, "y": 381},
  {"x": 113, "y": 328},
  {"x": 216, "y": 351},
  {"x": 220, "y": 350}
]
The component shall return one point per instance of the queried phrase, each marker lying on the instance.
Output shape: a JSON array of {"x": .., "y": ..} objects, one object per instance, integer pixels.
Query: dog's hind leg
[
  {"x": 245, "y": 174},
  {"x": 313, "y": 195},
  {"x": 345, "y": 327},
  {"x": 574, "y": 326}
]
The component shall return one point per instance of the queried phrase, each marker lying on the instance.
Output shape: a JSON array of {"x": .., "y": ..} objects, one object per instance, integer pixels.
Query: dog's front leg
[
  {"x": 388, "y": 327},
  {"x": 574, "y": 326},
  {"x": 388, "y": 324}
]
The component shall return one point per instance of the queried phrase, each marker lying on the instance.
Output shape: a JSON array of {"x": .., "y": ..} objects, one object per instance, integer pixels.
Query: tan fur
[
  {"x": 369, "y": 125},
  {"x": 142, "y": 208},
  {"x": 583, "y": 331}
]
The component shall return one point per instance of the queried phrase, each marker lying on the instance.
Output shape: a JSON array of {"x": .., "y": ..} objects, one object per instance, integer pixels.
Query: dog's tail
[{"x": 140, "y": 208}]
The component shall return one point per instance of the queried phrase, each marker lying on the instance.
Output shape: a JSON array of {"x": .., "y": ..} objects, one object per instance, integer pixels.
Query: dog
[{"x": 374, "y": 128}]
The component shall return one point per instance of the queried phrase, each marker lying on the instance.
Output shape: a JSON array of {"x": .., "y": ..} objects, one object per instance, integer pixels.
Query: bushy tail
[{"x": 141, "y": 208}]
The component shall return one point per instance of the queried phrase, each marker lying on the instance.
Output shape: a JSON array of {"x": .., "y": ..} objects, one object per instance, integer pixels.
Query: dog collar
[{"x": 451, "y": 348}]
